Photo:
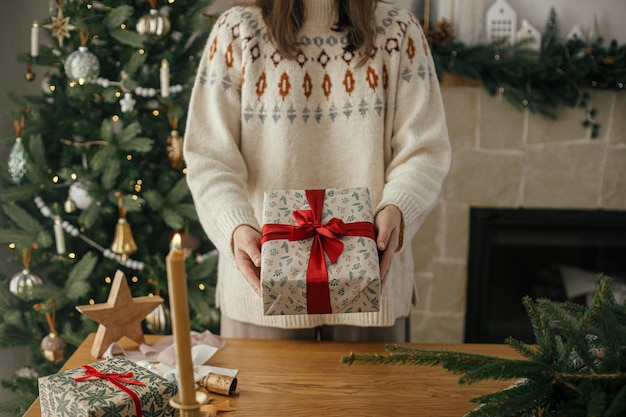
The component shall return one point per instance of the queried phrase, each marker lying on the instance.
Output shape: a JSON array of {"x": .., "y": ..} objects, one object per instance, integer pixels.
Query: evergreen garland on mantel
[
  {"x": 560, "y": 73},
  {"x": 576, "y": 368}
]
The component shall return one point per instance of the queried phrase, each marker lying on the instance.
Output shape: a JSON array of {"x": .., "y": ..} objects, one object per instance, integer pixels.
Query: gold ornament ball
[
  {"x": 153, "y": 24},
  {"x": 159, "y": 320},
  {"x": 53, "y": 347}
]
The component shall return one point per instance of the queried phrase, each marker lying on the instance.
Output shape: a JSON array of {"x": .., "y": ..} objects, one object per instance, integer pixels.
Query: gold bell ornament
[{"x": 123, "y": 242}]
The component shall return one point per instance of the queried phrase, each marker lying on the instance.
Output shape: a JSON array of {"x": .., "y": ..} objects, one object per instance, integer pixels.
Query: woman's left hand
[{"x": 388, "y": 224}]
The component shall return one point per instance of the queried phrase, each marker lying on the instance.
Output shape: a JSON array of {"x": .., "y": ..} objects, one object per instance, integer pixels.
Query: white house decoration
[
  {"x": 530, "y": 35},
  {"x": 501, "y": 22}
]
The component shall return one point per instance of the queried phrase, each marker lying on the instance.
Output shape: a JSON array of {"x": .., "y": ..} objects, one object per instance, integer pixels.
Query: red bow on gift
[
  {"x": 117, "y": 380},
  {"x": 325, "y": 240}
]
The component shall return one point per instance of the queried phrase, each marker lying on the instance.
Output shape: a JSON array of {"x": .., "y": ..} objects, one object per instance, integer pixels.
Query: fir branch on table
[{"x": 577, "y": 366}]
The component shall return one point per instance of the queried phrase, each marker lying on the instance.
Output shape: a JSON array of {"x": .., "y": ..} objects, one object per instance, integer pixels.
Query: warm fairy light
[
  {"x": 91, "y": 301},
  {"x": 71, "y": 255},
  {"x": 73, "y": 175},
  {"x": 53, "y": 88},
  {"x": 134, "y": 197},
  {"x": 185, "y": 170},
  {"x": 118, "y": 94},
  {"x": 201, "y": 287},
  {"x": 107, "y": 280},
  {"x": 142, "y": 51},
  {"x": 501, "y": 90},
  {"x": 115, "y": 118},
  {"x": 155, "y": 113},
  {"x": 55, "y": 179},
  {"x": 72, "y": 83},
  {"x": 496, "y": 57},
  {"x": 12, "y": 245},
  {"x": 123, "y": 26},
  {"x": 134, "y": 279},
  {"x": 129, "y": 157},
  {"x": 81, "y": 81}
]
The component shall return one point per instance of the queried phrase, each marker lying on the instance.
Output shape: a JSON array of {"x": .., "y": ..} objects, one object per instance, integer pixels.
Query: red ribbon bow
[
  {"x": 325, "y": 240},
  {"x": 117, "y": 380}
]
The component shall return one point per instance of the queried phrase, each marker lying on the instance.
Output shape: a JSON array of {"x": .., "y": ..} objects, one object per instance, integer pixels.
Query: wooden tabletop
[{"x": 307, "y": 378}]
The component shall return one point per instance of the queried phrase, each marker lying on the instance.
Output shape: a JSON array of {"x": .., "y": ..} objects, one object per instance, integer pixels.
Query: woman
[{"x": 309, "y": 94}]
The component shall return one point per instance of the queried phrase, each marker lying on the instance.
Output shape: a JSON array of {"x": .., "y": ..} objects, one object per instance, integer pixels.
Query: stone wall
[{"x": 507, "y": 158}]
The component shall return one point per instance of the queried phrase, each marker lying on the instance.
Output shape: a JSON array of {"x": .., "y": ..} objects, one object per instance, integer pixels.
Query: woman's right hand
[{"x": 247, "y": 252}]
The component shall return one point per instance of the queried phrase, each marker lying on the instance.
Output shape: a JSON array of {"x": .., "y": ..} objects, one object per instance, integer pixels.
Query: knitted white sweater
[{"x": 258, "y": 121}]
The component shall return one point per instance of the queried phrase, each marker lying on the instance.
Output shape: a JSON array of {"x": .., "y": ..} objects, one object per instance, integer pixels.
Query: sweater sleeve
[
  {"x": 420, "y": 148},
  {"x": 216, "y": 171}
]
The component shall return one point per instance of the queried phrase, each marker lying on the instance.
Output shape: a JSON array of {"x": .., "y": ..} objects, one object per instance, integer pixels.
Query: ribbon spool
[{"x": 219, "y": 384}]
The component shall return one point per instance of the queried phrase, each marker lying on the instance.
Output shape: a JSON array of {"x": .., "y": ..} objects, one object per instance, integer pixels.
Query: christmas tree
[{"x": 96, "y": 178}]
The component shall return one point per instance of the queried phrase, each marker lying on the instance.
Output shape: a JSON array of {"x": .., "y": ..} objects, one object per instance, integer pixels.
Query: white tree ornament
[{"x": 501, "y": 22}]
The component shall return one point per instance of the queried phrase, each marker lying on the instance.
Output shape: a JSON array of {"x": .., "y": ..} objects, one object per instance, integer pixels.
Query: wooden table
[{"x": 307, "y": 378}]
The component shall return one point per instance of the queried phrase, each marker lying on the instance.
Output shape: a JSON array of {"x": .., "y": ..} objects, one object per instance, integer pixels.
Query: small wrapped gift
[
  {"x": 318, "y": 252},
  {"x": 113, "y": 387}
]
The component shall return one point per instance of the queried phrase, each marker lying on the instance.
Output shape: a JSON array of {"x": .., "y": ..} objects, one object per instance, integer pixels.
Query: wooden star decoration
[
  {"x": 60, "y": 27},
  {"x": 120, "y": 316}
]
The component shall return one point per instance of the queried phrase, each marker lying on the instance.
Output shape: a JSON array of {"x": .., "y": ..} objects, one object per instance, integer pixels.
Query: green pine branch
[{"x": 576, "y": 367}]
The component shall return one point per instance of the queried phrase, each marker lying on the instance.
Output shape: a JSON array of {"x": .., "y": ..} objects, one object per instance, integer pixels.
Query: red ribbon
[
  {"x": 117, "y": 380},
  {"x": 325, "y": 240}
]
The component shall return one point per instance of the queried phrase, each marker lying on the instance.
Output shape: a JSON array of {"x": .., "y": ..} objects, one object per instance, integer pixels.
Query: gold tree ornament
[
  {"x": 52, "y": 345},
  {"x": 154, "y": 23},
  {"x": 175, "y": 146},
  {"x": 60, "y": 26},
  {"x": 123, "y": 241},
  {"x": 120, "y": 316}
]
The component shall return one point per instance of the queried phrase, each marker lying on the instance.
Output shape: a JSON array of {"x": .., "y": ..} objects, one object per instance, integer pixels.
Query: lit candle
[
  {"x": 59, "y": 236},
  {"x": 165, "y": 79},
  {"x": 34, "y": 39},
  {"x": 179, "y": 310}
]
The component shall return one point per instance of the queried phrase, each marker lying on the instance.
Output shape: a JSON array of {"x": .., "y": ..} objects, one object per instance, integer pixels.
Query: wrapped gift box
[
  {"x": 298, "y": 225},
  {"x": 95, "y": 391}
]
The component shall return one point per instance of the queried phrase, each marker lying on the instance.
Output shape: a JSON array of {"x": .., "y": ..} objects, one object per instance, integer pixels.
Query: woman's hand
[
  {"x": 246, "y": 248},
  {"x": 388, "y": 224}
]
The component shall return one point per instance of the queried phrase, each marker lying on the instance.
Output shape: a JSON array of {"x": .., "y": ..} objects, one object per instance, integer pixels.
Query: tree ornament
[
  {"x": 82, "y": 66},
  {"x": 175, "y": 149},
  {"x": 153, "y": 24},
  {"x": 30, "y": 75},
  {"x": 23, "y": 284},
  {"x": 17, "y": 161},
  {"x": 18, "y": 156},
  {"x": 159, "y": 320},
  {"x": 52, "y": 345},
  {"x": 127, "y": 104},
  {"x": 123, "y": 242},
  {"x": 79, "y": 194},
  {"x": 69, "y": 206},
  {"x": 60, "y": 26}
]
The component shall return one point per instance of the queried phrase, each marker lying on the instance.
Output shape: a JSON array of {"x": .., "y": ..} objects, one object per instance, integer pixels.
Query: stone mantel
[{"x": 504, "y": 157}]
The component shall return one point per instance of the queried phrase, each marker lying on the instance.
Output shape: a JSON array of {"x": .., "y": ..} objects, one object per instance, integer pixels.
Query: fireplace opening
[{"x": 541, "y": 253}]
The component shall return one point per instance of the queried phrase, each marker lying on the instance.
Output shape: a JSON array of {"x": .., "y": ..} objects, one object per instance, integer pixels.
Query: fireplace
[{"x": 541, "y": 253}]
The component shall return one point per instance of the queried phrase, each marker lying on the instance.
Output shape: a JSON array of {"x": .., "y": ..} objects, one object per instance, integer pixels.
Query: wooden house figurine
[{"x": 501, "y": 22}]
